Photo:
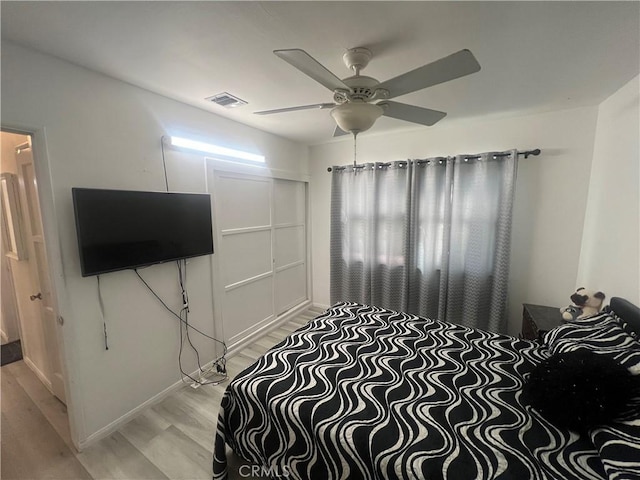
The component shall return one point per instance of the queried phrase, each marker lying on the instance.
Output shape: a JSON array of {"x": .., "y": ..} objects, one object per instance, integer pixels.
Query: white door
[
  {"x": 42, "y": 295},
  {"x": 243, "y": 226},
  {"x": 261, "y": 251},
  {"x": 289, "y": 243}
]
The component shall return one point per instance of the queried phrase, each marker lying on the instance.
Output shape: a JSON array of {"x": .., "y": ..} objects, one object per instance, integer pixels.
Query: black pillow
[{"x": 581, "y": 389}]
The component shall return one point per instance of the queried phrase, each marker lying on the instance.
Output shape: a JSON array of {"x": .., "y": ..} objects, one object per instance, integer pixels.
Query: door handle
[{"x": 38, "y": 296}]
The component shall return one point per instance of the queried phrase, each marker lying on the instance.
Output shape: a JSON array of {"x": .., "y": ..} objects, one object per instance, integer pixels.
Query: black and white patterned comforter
[{"x": 367, "y": 393}]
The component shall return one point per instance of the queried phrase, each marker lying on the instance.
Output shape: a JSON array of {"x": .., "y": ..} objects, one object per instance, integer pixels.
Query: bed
[{"x": 363, "y": 392}]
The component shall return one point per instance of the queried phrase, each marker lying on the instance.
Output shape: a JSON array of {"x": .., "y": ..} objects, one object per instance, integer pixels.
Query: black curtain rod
[{"x": 526, "y": 154}]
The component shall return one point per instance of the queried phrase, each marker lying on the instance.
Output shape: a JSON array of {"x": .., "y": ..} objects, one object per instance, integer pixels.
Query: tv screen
[{"x": 120, "y": 229}]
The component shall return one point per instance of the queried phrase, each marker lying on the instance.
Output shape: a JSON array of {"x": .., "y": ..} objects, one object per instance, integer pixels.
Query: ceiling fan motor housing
[
  {"x": 357, "y": 59},
  {"x": 360, "y": 88}
]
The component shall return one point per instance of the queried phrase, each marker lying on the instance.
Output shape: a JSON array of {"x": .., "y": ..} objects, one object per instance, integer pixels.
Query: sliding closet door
[
  {"x": 243, "y": 223},
  {"x": 261, "y": 251},
  {"x": 289, "y": 239}
]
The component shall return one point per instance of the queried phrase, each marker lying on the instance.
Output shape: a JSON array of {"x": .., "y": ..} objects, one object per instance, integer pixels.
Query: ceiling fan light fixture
[{"x": 356, "y": 117}]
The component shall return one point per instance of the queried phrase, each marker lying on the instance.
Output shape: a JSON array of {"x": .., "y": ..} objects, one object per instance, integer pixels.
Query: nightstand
[{"x": 537, "y": 319}]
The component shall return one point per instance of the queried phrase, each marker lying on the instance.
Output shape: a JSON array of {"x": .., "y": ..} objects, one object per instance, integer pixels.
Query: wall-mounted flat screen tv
[{"x": 119, "y": 229}]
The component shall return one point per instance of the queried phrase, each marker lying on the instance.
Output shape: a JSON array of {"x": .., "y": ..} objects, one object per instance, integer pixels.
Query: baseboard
[
  {"x": 250, "y": 332},
  {"x": 321, "y": 306},
  {"x": 130, "y": 415},
  {"x": 266, "y": 328}
]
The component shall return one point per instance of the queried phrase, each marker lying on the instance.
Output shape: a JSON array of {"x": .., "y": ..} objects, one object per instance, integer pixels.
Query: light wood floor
[{"x": 173, "y": 439}]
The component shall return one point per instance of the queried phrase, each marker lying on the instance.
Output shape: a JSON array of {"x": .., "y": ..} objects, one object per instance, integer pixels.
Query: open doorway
[
  {"x": 12, "y": 250},
  {"x": 28, "y": 316}
]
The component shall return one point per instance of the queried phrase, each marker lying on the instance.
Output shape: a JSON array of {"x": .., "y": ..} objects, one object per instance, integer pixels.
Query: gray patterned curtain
[{"x": 430, "y": 237}]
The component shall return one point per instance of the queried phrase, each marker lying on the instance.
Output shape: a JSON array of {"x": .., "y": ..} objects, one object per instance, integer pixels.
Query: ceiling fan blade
[
  {"x": 411, "y": 113},
  {"x": 311, "y": 67},
  {"x": 320, "y": 106},
  {"x": 448, "y": 68},
  {"x": 338, "y": 132}
]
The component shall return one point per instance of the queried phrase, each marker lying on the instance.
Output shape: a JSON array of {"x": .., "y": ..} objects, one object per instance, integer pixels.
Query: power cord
[
  {"x": 219, "y": 363},
  {"x": 183, "y": 316},
  {"x": 104, "y": 320},
  {"x": 182, "y": 279},
  {"x": 164, "y": 165}
]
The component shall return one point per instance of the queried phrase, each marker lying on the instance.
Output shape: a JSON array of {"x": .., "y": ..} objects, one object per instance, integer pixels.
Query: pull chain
[{"x": 355, "y": 149}]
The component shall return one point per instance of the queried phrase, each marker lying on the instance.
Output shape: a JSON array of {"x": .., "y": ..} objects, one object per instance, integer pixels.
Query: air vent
[{"x": 226, "y": 100}]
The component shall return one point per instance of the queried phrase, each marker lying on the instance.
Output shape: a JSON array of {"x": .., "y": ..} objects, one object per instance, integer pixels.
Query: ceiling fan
[{"x": 360, "y": 100}]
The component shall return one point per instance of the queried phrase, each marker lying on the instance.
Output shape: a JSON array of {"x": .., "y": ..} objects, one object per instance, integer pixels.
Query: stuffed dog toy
[
  {"x": 585, "y": 303},
  {"x": 570, "y": 313}
]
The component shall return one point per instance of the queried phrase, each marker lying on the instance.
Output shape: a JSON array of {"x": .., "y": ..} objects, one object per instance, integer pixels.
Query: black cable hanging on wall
[
  {"x": 164, "y": 165},
  {"x": 220, "y": 362},
  {"x": 104, "y": 320},
  {"x": 183, "y": 316}
]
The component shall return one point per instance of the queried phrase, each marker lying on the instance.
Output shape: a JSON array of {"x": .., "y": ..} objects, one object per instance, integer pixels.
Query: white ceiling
[{"x": 535, "y": 56}]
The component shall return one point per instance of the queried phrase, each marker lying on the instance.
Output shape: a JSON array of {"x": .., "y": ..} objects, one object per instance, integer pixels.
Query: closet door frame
[{"x": 216, "y": 168}]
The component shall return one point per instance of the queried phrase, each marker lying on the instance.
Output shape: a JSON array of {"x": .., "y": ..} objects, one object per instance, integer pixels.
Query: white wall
[
  {"x": 100, "y": 132},
  {"x": 551, "y": 192},
  {"x": 610, "y": 255}
]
